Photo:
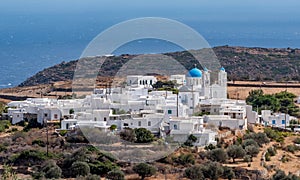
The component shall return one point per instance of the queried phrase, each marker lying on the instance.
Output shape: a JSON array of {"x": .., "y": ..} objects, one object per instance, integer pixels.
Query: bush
[
  {"x": 115, "y": 175},
  {"x": 144, "y": 170},
  {"x": 267, "y": 156},
  {"x": 209, "y": 147},
  {"x": 76, "y": 139},
  {"x": 39, "y": 143},
  {"x": 29, "y": 157},
  {"x": 218, "y": 155},
  {"x": 79, "y": 168},
  {"x": 18, "y": 134},
  {"x": 247, "y": 158},
  {"x": 14, "y": 129},
  {"x": 228, "y": 173},
  {"x": 272, "y": 151},
  {"x": 143, "y": 135},
  {"x": 113, "y": 127},
  {"x": 128, "y": 134},
  {"x": 2, "y": 147},
  {"x": 63, "y": 132},
  {"x": 235, "y": 151},
  {"x": 249, "y": 142},
  {"x": 51, "y": 170},
  {"x": 190, "y": 141},
  {"x": 81, "y": 154},
  {"x": 194, "y": 172},
  {"x": 279, "y": 175},
  {"x": 297, "y": 141},
  {"x": 102, "y": 168},
  {"x": 260, "y": 138},
  {"x": 32, "y": 124},
  {"x": 252, "y": 150},
  {"x": 185, "y": 159},
  {"x": 212, "y": 170},
  {"x": 292, "y": 148}
]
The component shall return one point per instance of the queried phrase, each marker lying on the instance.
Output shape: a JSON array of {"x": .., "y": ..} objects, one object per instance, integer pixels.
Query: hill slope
[{"x": 241, "y": 63}]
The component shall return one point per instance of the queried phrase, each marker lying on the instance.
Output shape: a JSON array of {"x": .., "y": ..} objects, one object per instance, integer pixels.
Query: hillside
[{"x": 241, "y": 63}]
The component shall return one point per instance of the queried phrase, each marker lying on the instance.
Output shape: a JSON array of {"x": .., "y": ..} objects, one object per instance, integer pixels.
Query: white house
[
  {"x": 281, "y": 120},
  {"x": 181, "y": 128}
]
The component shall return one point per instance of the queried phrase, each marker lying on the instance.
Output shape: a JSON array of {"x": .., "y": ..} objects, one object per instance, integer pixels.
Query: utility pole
[
  {"x": 177, "y": 103},
  {"x": 285, "y": 118},
  {"x": 47, "y": 143}
]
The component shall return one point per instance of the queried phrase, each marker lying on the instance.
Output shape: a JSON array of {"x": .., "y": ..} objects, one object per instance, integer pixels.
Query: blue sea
[{"x": 36, "y": 35}]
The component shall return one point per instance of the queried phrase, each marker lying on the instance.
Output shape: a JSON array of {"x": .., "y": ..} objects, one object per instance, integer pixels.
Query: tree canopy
[{"x": 278, "y": 102}]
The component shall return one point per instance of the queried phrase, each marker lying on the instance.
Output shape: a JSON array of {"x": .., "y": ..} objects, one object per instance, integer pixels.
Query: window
[
  {"x": 149, "y": 123},
  {"x": 175, "y": 126},
  {"x": 45, "y": 114},
  {"x": 55, "y": 116},
  {"x": 150, "y": 82},
  {"x": 95, "y": 119},
  {"x": 139, "y": 123},
  {"x": 273, "y": 121},
  {"x": 104, "y": 119},
  {"x": 169, "y": 111},
  {"x": 125, "y": 124},
  {"x": 282, "y": 121}
]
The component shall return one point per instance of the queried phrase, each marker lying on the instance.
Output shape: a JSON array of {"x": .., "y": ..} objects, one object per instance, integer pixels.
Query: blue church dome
[
  {"x": 195, "y": 72},
  {"x": 222, "y": 69}
]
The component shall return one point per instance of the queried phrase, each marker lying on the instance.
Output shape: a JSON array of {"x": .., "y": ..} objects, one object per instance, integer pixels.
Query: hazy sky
[{"x": 180, "y": 9}]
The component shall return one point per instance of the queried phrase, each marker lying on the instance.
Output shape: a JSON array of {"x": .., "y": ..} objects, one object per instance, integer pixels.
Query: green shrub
[
  {"x": 144, "y": 170},
  {"x": 39, "y": 143},
  {"x": 209, "y": 147},
  {"x": 194, "y": 172},
  {"x": 115, "y": 175},
  {"x": 249, "y": 142},
  {"x": 76, "y": 139},
  {"x": 29, "y": 157},
  {"x": 267, "y": 156},
  {"x": 102, "y": 168},
  {"x": 2, "y": 148},
  {"x": 190, "y": 141},
  {"x": 297, "y": 141},
  {"x": 21, "y": 123},
  {"x": 14, "y": 129},
  {"x": 32, "y": 124},
  {"x": 235, "y": 151},
  {"x": 260, "y": 138},
  {"x": 272, "y": 151},
  {"x": 51, "y": 170},
  {"x": 292, "y": 148},
  {"x": 18, "y": 134},
  {"x": 63, "y": 132},
  {"x": 81, "y": 154},
  {"x": 218, "y": 155},
  {"x": 228, "y": 173},
  {"x": 252, "y": 150},
  {"x": 79, "y": 168},
  {"x": 143, "y": 135},
  {"x": 128, "y": 134},
  {"x": 185, "y": 159},
  {"x": 212, "y": 170}
]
